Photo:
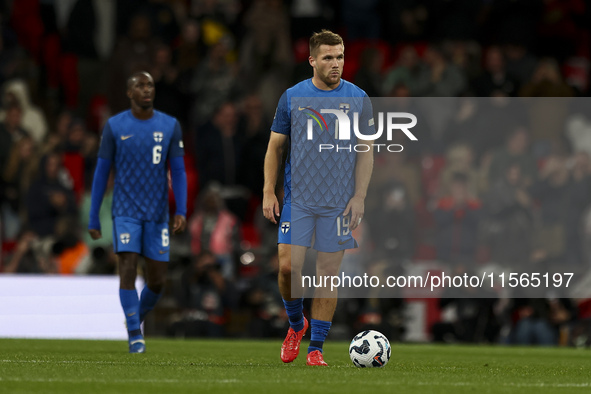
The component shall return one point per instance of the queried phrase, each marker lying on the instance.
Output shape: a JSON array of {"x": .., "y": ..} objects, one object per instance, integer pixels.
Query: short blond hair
[{"x": 324, "y": 37}]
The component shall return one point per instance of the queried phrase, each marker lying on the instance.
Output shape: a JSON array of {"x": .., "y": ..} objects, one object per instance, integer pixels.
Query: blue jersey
[
  {"x": 315, "y": 177},
  {"x": 139, "y": 150}
]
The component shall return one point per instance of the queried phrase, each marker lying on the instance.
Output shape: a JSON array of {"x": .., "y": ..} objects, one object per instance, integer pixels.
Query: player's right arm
[
  {"x": 280, "y": 130},
  {"x": 99, "y": 182},
  {"x": 271, "y": 169}
]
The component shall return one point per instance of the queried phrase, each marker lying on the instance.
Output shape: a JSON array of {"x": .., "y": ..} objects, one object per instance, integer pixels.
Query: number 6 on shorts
[{"x": 165, "y": 239}]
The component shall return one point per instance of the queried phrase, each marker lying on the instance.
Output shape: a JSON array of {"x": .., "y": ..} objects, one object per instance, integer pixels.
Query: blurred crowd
[{"x": 515, "y": 192}]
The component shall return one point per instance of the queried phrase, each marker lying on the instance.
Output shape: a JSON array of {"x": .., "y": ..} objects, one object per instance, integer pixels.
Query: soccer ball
[{"x": 369, "y": 349}]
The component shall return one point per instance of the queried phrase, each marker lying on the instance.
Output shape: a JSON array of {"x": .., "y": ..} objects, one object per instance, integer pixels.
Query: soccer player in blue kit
[
  {"x": 324, "y": 192},
  {"x": 138, "y": 144}
]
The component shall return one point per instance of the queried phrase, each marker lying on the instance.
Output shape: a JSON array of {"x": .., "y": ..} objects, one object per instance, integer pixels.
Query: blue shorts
[
  {"x": 299, "y": 224},
  {"x": 150, "y": 239}
]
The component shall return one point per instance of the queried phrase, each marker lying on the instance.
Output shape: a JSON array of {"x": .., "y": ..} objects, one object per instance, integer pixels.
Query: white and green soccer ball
[{"x": 370, "y": 349}]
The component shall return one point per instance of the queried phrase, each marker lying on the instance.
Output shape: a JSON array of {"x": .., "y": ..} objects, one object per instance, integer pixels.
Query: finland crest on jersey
[
  {"x": 285, "y": 227},
  {"x": 158, "y": 135}
]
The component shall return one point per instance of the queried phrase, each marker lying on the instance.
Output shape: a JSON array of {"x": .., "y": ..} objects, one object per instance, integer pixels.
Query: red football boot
[
  {"x": 315, "y": 358},
  {"x": 291, "y": 345}
]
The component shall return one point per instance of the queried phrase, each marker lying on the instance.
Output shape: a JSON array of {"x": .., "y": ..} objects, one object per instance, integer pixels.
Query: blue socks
[
  {"x": 319, "y": 328},
  {"x": 130, "y": 303},
  {"x": 319, "y": 332},
  {"x": 148, "y": 300},
  {"x": 295, "y": 313}
]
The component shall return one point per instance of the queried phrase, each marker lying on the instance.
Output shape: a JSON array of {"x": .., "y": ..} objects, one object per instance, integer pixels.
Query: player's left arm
[
  {"x": 363, "y": 170},
  {"x": 179, "y": 179},
  {"x": 363, "y": 167}
]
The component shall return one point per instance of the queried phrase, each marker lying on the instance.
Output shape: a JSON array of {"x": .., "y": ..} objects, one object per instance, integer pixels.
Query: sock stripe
[{"x": 135, "y": 333}]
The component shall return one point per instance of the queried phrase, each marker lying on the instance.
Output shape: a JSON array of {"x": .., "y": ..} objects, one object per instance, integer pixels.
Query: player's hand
[
  {"x": 179, "y": 225},
  {"x": 356, "y": 208},
  {"x": 95, "y": 234},
  {"x": 271, "y": 207}
]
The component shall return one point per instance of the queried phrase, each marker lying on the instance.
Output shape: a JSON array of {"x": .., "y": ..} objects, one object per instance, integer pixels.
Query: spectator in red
[{"x": 73, "y": 160}]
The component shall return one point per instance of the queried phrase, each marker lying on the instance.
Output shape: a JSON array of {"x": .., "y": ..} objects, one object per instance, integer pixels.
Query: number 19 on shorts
[{"x": 343, "y": 223}]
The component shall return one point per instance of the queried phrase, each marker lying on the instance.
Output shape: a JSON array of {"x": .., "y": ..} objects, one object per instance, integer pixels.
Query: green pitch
[{"x": 176, "y": 366}]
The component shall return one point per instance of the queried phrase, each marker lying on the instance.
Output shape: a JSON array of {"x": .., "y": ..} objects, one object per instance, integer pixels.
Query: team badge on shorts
[
  {"x": 158, "y": 136},
  {"x": 285, "y": 227},
  {"x": 124, "y": 238}
]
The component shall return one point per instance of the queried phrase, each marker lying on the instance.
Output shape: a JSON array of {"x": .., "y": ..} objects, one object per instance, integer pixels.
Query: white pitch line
[
  {"x": 524, "y": 385},
  {"x": 110, "y": 381},
  {"x": 200, "y": 363},
  {"x": 75, "y": 362},
  {"x": 197, "y": 364},
  {"x": 90, "y": 380},
  {"x": 231, "y": 381}
]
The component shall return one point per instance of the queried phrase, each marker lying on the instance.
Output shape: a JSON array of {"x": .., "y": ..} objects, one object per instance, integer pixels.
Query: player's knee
[
  {"x": 330, "y": 270},
  {"x": 284, "y": 261},
  {"x": 126, "y": 269},
  {"x": 156, "y": 284},
  {"x": 285, "y": 267}
]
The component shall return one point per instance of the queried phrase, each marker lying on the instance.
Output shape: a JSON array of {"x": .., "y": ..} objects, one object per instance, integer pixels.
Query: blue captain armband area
[
  {"x": 179, "y": 184},
  {"x": 99, "y": 185}
]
